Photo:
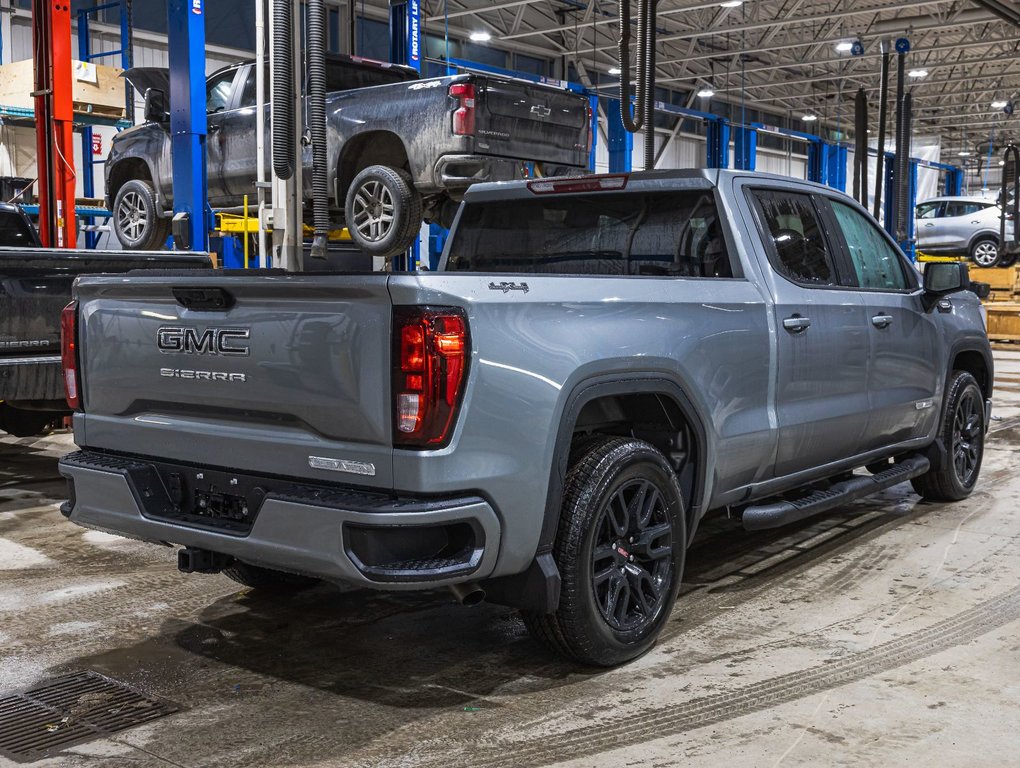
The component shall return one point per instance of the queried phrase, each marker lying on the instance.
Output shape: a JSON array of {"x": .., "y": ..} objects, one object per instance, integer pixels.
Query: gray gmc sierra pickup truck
[
  {"x": 400, "y": 149},
  {"x": 599, "y": 362}
]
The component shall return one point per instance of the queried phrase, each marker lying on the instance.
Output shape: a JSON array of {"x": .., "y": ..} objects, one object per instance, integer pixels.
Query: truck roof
[{"x": 686, "y": 178}]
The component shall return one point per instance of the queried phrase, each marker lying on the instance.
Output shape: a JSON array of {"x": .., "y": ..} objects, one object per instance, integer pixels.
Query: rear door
[
  {"x": 906, "y": 364},
  {"x": 821, "y": 385},
  {"x": 222, "y": 120},
  {"x": 533, "y": 122},
  {"x": 958, "y": 225},
  {"x": 240, "y": 158}
]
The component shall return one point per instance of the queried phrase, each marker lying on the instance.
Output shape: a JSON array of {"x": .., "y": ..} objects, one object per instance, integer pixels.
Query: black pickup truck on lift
[{"x": 35, "y": 284}]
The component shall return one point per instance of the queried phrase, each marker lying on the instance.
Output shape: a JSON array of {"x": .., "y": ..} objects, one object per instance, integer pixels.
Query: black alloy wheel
[{"x": 632, "y": 563}]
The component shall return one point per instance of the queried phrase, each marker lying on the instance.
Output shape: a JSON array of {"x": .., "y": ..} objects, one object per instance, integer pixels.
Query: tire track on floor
[{"x": 657, "y": 722}]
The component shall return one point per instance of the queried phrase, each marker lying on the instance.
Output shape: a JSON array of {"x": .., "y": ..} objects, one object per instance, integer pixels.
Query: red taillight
[
  {"x": 464, "y": 115},
  {"x": 579, "y": 184},
  {"x": 69, "y": 354},
  {"x": 428, "y": 374}
]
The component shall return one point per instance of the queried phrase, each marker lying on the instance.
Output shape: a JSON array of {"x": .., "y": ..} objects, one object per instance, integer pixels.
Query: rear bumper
[
  {"x": 457, "y": 172},
  {"x": 31, "y": 377},
  {"x": 343, "y": 535}
]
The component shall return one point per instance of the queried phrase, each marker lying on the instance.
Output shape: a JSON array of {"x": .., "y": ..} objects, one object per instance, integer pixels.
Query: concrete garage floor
[{"x": 884, "y": 635}]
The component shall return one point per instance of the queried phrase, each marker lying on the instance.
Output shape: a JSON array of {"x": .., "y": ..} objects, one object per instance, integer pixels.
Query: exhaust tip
[{"x": 468, "y": 594}]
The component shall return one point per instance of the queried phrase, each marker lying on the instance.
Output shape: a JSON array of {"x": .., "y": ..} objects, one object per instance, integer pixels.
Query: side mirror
[
  {"x": 942, "y": 278},
  {"x": 155, "y": 106}
]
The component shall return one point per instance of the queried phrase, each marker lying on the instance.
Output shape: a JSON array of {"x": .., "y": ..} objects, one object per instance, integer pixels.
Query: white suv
[{"x": 961, "y": 225}]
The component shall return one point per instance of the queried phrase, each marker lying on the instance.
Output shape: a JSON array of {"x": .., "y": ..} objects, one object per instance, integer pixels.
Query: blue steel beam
[{"x": 186, "y": 33}]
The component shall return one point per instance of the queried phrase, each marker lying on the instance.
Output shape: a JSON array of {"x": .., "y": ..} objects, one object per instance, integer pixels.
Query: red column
[{"x": 51, "y": 34}]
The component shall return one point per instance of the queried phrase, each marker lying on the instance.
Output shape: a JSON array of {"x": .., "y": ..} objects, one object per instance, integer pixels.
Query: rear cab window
[
  {"x": 643, "y": 234},
  {"x": 795, "y": 240}
]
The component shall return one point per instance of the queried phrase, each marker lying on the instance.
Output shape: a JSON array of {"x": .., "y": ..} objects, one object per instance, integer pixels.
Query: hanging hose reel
[{"x": 644, "y": 88}]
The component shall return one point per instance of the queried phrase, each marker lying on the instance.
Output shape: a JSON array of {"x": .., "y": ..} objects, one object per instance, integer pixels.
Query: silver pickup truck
[{"x": 599, "y": 363}]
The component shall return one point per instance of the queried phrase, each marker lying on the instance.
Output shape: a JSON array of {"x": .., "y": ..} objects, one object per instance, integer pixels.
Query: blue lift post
[
  {"x": 405, "y": 48},
  {"x": 954, "y": 181},
  {"x": 186, "y": 33},
  {"x": 88, "y": 174},
  {"x": 717, "y": 143},
  {"x": 621, "y": 141},
  {"x": 745, "y": 147}
]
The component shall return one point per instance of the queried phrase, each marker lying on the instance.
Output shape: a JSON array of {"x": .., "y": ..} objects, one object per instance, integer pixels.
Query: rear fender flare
[{"x": 627, "y": 384}]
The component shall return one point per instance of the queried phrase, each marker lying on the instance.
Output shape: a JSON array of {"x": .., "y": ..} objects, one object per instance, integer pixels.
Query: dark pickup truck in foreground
[
  {"x": 544, "y": 422},
  {"x": 35, "y": 285},
  {"x": 400, "y": 150}
]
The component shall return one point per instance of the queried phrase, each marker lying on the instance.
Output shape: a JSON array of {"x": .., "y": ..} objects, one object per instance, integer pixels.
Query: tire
[
  {"x": 985, "y": 252},
  {"x": 22, "y": 423},
  {"x": 963, "y": 433},
  {"x": 383, "y": 211},
  {"x": 136, "y": 220},
  {"x": 266, "y": 579},
  {"x": 609, "y": 475}
]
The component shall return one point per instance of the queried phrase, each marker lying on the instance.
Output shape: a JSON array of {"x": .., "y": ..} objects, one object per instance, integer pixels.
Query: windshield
[{"x": 673, "y": 234}]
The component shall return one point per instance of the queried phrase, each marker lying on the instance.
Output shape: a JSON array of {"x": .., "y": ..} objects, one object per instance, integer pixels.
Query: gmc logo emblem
[{"x": 228, "y": 342}]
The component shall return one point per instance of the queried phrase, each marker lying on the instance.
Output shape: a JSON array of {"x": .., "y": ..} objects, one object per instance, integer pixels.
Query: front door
[
  {"x": 906, "y": 366},
  {"x": 928, "y": 224},
  {"x": 821, "y": 382}
]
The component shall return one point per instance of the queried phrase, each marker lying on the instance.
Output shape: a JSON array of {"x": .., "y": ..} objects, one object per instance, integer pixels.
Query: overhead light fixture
[
  {"x": 999, "y": 104},
  {"x": 844, "y": 47},
  {"x": 480, "y": 37},
  {"x": 731, "y": 4},
  {"x": 706, "y": 93},
  {"x": 614, "y": 70},
  {"x": 917, "y": 73},
  {"x": 963, "y": 153},
  {"x": 809, "y": 118}
]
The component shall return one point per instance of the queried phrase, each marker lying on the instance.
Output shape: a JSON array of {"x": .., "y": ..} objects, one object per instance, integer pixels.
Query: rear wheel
[
  {"x": 383, "y": 211},
  {"x": 266, "y": 579},
  {"x": 985, "y": 252},
  {"x": 963, "y": 434},
  {"x": 620, "y": 551},
  {"x": 136, "y": 219}
]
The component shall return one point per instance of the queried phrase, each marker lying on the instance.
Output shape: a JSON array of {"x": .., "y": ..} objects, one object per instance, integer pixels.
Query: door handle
[
  {"x": 796, "y": 324},
  {"x": 975, "y": 222},
  {"x": 929, "y": 224},
  {"x": 881, "y": 321}
]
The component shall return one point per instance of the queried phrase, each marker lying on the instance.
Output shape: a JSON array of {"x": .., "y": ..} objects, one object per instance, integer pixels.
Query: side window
[
  {"x": 248, "y": 92},
  {"x": 794, "y": 237},
  {"x": 217, "y": 91},
  {"x": 962, "y": 209},
  {"x": 928, "y": 210},
  {"x": 876, "y": 262}
]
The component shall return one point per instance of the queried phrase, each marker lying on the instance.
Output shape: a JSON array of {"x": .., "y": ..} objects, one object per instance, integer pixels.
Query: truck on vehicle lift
[
  {"x": 400, "y": 150},
  {"x": 35, "y": 285},
  {"x": 599, "y": 362}
]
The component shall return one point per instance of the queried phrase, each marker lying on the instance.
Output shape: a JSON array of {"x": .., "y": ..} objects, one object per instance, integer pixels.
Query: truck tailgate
[
  {"x": 35, "y": 284},
  {"x": 536, "y": 122},
  {"x": 291, "y": 379}
]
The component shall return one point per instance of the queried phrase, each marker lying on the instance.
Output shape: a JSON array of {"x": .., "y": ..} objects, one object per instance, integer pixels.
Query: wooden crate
[
  {"x": 1003, "y": 320},
  {"x": 1000, "y": 278},
  {"x": 105, "y": 97},
  {"x": 999, "y": 296}
]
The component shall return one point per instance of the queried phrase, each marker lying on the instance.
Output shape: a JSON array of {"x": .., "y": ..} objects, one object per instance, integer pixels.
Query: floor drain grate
[{"x": 71, "y": 710}]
